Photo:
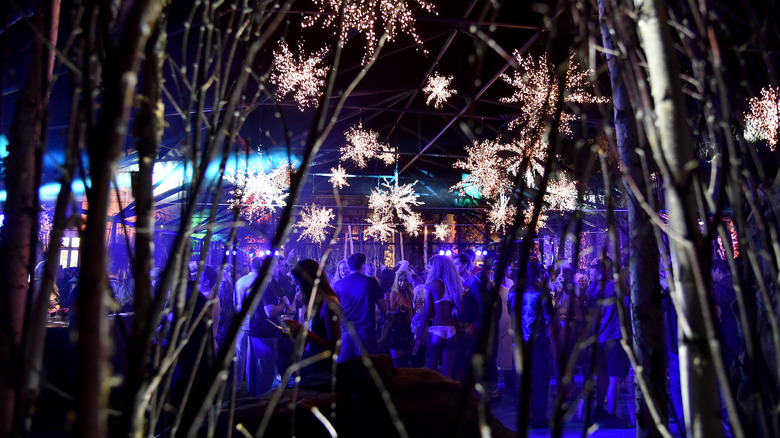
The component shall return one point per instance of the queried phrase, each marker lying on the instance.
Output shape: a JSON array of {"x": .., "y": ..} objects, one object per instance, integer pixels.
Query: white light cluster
[
  {"x": 486, "y": 167},
  {"x": 389, "y": 200},
  {"x": 762, "y": 120},
  {"x": 314, "y": 222},
  {"x": 437, "y": 90},
  {"x": 502, "y": 214},
  {"x": 541, "y": 221},
  {"x": 259, "y": 189},
  {"x": 442, "y": 232},
  {"x": 338, "y": 177},
  {"x": 561, "y": 195},
  {"x": 536, "y": 89},
  {"x": 301, "y": 76},
  {"x": 363, "y": 145},
  {"x": 362, "y": 15}
]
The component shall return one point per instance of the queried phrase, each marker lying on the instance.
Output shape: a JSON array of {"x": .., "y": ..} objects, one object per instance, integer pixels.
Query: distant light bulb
[
  {"x": 448, "y": 253},
  {"x": 268, "y": 252},
  {"x": 276, "y": 253},
  {"x": 234, "y": 252},
  {"x": 441, "y": 252},
  {"x": 227, "y": 253}
]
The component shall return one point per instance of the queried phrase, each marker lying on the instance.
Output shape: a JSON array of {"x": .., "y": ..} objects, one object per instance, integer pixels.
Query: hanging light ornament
[
  {"x": 338, "y": 177},
  {"x": 314, "y": 222},
  {"x": 436, "y": 90},
  {"x": 501, "y": 214},
  {"x": 380, "y": 229},
  {"x": 363, "y": 145},
  {"x": 442, "y": 232},
  {"x": 561, "y": 195},
  {"x": 536, "y": 89},
  {"x": 762, "y": 120},
  {"x": 259, "y": 189},
  {"x": 393, "y": 199},
  {"x": 541, "y": 221},
  {"x": 361, "y": 15},
  {"x": 302, "y": 75},
  {"x": 487, "y": 169}
]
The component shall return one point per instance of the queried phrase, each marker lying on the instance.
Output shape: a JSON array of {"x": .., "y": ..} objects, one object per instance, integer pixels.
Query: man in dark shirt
[{"x": 359, "y": 295}]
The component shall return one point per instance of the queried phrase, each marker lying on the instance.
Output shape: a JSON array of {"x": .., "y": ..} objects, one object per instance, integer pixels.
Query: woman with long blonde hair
[{"x": 443, "y": 291}]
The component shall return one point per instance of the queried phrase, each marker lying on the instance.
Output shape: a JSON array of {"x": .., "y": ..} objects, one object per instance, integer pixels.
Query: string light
[
  {"x": 339, "y": 177},
  {"x": 561, "y": 195},
  {"x": 762, "y": 120},
  {"x": 361, "y": 15},
  {"x": 301, "y": 75},
  {"x": 436, "y": 90},
  {"x": 541, "y": 220},
  {"x": 393, "y": 199},
  {"x": 259, "y": 189},
  {"x": 314, "y": 221},
  {"x": 363, "y": 145},
  {"x": 501, "y": 214},
  {"x": 442, "y": 232},
  {"x": 536, "y": 89},
  {"x": 487, "y": 169}
]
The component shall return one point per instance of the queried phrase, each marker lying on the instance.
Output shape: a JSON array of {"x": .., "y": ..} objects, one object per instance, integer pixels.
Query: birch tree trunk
[
  {"x": 104, "y": 146},
  {"x": 690, "y": 258},
  {"x": 149, "y": 130},
  {"x": 19, "y": 234},
  {"x": 646, "y": 309}
]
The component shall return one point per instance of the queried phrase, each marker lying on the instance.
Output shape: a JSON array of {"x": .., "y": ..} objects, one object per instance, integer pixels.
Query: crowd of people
[{"x": 439, "y": 316}]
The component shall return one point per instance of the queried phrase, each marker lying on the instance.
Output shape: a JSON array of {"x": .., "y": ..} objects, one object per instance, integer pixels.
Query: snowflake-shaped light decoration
[
  {"x": 541, "y": 221},
  {"x": 314, "y": 222},
  {"x": 363, "y": 145},
  {"x": 381, "y": 228},
  {"x": 536, "y": 154},
  {"x": 361, "y": 15},
  {"x": 501, "y": 214},
  {"x": 389, "y": 199},
  {"x": 442, "y": 232},
  {"x": 561, "y": 195},
  {"x": 536, "y": 89},
  {"x": 301, "y": 75},
  {"x": 338, "y": 177},
  {"x": 487, "y": 169},
  {"x": 436, "y": 90},
  {"x": 762, "y": 120},
  {"x": 259, "y": 189}
]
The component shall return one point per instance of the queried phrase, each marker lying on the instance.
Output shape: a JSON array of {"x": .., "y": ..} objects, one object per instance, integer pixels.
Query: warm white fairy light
[
  {"x": 259, "y": 189},
  {"x": 762, "y": 120},
  {"x": 487, "y": 169},
  {"x": 338, "y": 177},
  {"x": 536, "y": 89},
  {"x": 561, "y": 195},
  {"x": 314, "y": 222},
  {"x": 389, "y": 200},
  {"x": 381, "y": 228},
  {"x": 541, "y": 220},
  {"x": 361, "y": 15},
  {"x": 436, "y": 90},
  {"x": 363, "y": 145},
  {"x": 501, "y": 214},
  {"x": 527, "y": 156},
  {"x": 442, "y": 232},
  {"x": 301, "y": 75}
]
